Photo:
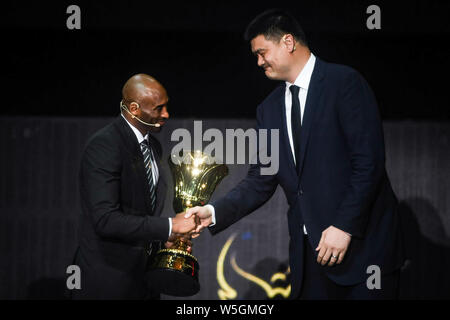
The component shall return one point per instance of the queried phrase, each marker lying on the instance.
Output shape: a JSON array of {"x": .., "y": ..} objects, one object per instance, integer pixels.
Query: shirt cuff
[
  {"x": 170, "y": 226},
  {"x": 213, "y": 214}
]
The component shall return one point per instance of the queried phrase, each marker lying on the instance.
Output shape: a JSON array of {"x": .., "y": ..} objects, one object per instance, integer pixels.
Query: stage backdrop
[{"x": 39, "y": 209}]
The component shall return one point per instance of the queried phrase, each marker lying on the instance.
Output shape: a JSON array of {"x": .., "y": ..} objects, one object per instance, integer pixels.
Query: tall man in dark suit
[
  {"x": 343, "y": 222},
  {"x": 122, "y": 188}
]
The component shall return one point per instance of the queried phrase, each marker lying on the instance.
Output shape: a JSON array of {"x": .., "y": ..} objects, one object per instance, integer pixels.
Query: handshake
[{"x": 190, "y": 224}]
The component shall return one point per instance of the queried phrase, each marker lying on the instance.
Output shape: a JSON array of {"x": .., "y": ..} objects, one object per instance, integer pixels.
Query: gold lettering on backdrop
[{"x": 227, "y": 292}]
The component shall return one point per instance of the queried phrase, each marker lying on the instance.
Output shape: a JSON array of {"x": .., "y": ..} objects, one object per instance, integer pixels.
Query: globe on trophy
[{"x": 174, "y": 271}]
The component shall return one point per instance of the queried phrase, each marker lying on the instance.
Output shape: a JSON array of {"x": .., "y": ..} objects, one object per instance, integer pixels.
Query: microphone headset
[{"x": 124, "y": 107}]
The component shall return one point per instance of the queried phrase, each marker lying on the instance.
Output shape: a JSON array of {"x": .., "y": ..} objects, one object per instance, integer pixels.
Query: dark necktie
[
  {"x": 296, "y": 124},
  {"x": 148, "y": 171}
]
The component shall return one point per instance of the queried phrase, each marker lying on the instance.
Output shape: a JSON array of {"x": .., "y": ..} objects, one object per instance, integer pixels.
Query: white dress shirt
[
  {"x": 302, "y": 81},
  {"x": 155, "y": 171}
]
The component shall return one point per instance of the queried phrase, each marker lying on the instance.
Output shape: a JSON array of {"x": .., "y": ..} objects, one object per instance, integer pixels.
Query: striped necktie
[{"x": 148, "y": 157}]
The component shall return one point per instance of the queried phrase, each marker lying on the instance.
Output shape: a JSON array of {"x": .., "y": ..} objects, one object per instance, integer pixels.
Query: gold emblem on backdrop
[{"x": 227, "y": 292}]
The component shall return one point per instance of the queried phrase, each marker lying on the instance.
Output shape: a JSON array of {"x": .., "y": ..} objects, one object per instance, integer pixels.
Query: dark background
[
  {"x": 59, "y": 86},
  {"x": 197, "y": 51}
]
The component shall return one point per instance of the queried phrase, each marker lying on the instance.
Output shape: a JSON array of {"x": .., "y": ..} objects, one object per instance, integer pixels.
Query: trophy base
[{"x": 174, "y": 272}]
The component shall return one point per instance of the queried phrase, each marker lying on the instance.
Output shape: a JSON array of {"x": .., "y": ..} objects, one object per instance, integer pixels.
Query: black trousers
[{"x": 317, "y": 286}]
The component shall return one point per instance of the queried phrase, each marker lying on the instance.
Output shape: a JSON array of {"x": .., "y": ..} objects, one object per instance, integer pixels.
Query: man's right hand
[
  {"x": 204, "y": 214},
  {"x": 181, "y": 225}
]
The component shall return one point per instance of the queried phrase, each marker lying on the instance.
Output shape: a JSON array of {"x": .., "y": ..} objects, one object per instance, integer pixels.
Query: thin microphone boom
[{"x": 124, "y": 107}]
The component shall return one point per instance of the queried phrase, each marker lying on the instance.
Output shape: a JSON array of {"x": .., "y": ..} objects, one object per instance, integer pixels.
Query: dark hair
[{"x": 273, "y": 24}]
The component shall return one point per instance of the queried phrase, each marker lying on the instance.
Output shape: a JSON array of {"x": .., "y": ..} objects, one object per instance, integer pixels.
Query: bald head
[
  {"x": 145, "y": 102},
  {"x": 140, "y": 87}
]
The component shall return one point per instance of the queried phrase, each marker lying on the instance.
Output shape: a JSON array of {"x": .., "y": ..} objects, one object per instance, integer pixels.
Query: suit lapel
[
  {"x": 285, "y": 137},
  {"x": 312, "y": 99}
]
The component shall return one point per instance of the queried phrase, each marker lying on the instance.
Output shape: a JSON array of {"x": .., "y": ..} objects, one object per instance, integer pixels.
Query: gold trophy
[{"x": 174, "y": 271}]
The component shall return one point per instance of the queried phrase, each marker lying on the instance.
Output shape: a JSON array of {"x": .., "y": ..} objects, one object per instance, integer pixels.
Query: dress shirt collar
[
  {"x": 304, "y": 77},
  {"x": 138, "y": 134}
]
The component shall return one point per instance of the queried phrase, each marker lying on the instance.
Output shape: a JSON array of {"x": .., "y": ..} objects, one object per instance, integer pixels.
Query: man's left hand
[
  {"x": 332, "y": 246},
  {"x": 173, "y": 237}
]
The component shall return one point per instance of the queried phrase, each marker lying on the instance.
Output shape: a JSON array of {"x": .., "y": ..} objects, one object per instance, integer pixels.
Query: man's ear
[
  {"x": 134, "y": 106},
  {"x": 289, "y": 42}
]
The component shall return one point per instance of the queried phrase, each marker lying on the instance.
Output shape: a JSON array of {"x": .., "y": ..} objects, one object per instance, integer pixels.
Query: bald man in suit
[{"x": 122, "y": 186}]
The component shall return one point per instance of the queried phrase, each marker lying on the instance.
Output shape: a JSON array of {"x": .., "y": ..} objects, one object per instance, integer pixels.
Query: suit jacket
[
  {"x": 342, "y": 180},
  {"x": 117, "y": 224}
]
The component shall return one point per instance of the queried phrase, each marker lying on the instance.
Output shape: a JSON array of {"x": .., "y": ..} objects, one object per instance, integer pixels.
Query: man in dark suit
[
  {"x": 122, "y": 187},
  {"x": 343, "y": 221}
]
